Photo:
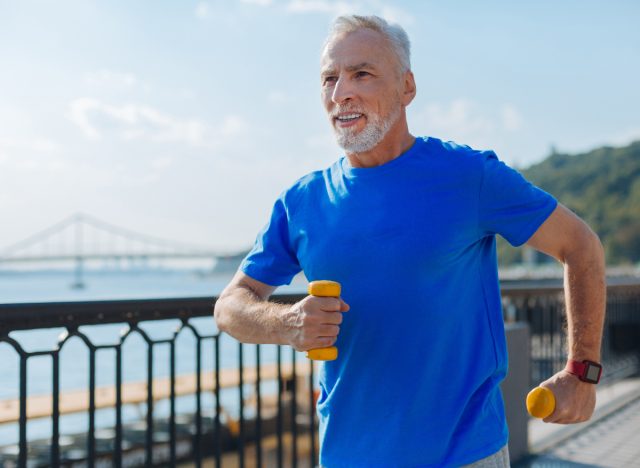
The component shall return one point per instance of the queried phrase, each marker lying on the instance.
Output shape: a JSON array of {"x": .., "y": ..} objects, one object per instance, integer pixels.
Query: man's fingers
[
  {"x": 315, "y": 322},
  {"x": 554, "y": 417},
  {"x": 331, "y": 318},
  {"x": 328, "y": 330},
  {"x": 568, "y": 416},
  {"x": 561, "y": 416},
  {"x": 326, "y": 341},
  {"x": 329, "y": 304},
  {"x": 575, "y": 400},
  {"x": 320, "y": 341}
]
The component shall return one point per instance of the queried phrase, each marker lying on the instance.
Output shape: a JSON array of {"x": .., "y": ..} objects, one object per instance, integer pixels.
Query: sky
[{"x": 184, "y": 120}]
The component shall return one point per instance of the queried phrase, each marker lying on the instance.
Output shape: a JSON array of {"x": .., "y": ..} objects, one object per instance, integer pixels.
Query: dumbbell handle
[
  {"x": 324, "y": 288},
  {"x": 541, "y": 402}
]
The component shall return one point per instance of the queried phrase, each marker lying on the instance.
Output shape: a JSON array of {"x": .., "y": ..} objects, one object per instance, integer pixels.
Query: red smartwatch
[{"x": 587, "y": 371}]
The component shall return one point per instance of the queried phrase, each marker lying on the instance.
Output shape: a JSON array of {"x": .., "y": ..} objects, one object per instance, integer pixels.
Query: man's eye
[
  {"x": 361, "y": 74},
  {"x": 329, "y": 80}
]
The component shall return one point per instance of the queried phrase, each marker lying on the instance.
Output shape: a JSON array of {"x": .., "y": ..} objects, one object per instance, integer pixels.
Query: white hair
[{"x": 394, "y": 33}]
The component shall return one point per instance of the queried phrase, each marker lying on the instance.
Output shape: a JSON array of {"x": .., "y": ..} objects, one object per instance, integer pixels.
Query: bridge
[{"x": 81, "y": 237}]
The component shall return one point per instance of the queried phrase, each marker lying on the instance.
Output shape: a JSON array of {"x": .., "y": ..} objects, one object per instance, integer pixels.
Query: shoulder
[
  {"x": 303, "y": 187},
  {"x": 459, "y": 159},
  {"x": 462, "y": 152},
  {"x": 307, "y": 183}
]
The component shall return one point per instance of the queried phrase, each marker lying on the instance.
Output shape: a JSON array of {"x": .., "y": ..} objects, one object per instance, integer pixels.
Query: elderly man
[{"x": 407, "y": 225}]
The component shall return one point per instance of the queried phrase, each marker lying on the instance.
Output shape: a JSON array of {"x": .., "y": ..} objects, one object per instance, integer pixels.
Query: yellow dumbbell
[
  {"x": 541, "y": 402},
  {"x": 324, "y": 288}
]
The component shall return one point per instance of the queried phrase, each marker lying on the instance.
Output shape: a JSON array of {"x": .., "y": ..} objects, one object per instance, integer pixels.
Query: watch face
[{"x": 593, "y": 373}]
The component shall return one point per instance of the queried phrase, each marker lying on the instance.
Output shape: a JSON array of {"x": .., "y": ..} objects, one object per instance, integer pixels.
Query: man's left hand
[{"x": 575, "y": 399}]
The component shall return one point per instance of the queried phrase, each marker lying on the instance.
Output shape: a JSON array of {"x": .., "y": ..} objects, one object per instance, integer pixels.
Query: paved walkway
[{"x": 611, "y": 440}]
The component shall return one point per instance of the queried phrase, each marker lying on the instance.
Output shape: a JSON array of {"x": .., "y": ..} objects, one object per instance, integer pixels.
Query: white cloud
[
  {"x": 203, "y": 10},
  {"x": 30, "y": 154},
  {"x": 138, "y": 122},
  {"x": 464, "y": 121},
  {"x": 233, "y": 125},
  {"x": 78, "y": 114},
  {"x": 14, "y": 150},
  {"x": 460, "y": 117},
  {"x": 111, "y": 79},
  {"x": 396, "y": 15},
  {"x": 162, "y": 162},
  {"x": 511, "y": 118},
  {"x": 41, "y": 145},
  {"x": 500, "y": 127}
]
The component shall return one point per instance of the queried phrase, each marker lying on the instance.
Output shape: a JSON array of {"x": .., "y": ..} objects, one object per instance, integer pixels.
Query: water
[
  {"x": 55, "y": 286},
  {"x": 52, "y": 286}
]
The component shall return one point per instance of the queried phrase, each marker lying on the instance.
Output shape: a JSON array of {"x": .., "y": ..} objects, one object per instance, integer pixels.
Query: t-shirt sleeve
[
  {"x": 272, "y": 260},
  {"x": 510, "y": 205}
]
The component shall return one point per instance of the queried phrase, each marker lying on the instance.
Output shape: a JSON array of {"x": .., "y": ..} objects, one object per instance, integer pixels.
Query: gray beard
[{"x": 372, "y": 134}]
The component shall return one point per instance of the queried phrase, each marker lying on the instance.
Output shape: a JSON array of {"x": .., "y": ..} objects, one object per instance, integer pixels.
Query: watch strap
[{"x": 587, "y": 371}]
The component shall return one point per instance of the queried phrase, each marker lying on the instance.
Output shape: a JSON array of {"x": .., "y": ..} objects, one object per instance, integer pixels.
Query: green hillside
[{"x": 601, "y": 186}]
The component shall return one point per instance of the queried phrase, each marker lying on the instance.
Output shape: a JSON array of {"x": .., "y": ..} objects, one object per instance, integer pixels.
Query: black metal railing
[
  {"x": 155, "y": 440},
  {"x": 249, "y": 402},
  {"x": 543, "y": 309}
]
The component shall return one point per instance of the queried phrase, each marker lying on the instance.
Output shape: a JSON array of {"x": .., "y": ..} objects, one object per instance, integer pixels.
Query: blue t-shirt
[{"x": 422, "y": 350}]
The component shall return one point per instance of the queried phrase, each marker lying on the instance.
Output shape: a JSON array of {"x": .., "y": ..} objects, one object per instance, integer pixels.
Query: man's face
[{"x": 361, "y": 88}]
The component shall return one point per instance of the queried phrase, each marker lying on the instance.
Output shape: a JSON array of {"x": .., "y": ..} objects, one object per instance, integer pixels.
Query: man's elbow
[
  {"x": 599, "y": 249},
  {"x": 588, "y": 248},
  {"x": 595, "y": 247},
  {"x": 221, "y": 315}
]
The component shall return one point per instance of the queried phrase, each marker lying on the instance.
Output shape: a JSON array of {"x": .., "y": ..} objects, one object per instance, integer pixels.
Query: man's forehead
[{"x": 354, "y": 50}]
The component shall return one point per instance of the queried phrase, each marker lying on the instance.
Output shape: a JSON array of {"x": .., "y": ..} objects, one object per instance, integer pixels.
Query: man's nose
[{"x": 342, "y": 91}]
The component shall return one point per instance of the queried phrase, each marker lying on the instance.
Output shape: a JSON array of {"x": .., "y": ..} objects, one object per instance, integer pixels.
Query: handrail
[{"x": 27, "y": 316}]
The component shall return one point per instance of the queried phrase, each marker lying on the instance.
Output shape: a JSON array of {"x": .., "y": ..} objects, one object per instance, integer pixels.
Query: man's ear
[{"x": 409, "y": 91}]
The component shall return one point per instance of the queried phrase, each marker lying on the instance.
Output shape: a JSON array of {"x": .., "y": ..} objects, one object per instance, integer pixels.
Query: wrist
[
  {"x": 589, "y": 354},
  {"x": 284, "y": 319}
]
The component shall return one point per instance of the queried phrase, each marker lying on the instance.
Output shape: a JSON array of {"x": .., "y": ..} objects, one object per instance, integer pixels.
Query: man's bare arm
[
  {"x": 567, "y": 238},
  {"x": 244, "y": 312}
]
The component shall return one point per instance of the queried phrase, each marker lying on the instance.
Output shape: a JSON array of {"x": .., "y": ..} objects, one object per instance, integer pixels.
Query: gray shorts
[{"x": 500, "y": 459}]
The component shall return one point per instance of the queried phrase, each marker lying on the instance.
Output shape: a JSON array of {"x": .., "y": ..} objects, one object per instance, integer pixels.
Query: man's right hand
[
  {"x": 314, "y": 322},
  {"x": 244, "y": 312}
]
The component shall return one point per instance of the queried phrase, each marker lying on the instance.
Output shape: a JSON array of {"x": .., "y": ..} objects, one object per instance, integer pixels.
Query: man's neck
[{"x": 387, "y": 150}]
